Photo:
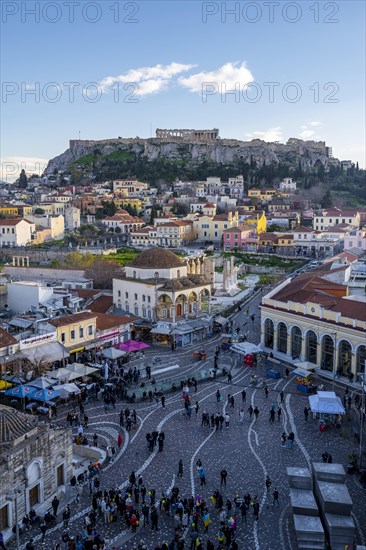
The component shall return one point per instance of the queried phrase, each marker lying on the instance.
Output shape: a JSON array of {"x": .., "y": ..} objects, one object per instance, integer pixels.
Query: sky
[{"x": 103, "y": 69}]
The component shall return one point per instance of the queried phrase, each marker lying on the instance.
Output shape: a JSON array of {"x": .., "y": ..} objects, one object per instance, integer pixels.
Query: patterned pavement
[{"x": 248, "y": 450}]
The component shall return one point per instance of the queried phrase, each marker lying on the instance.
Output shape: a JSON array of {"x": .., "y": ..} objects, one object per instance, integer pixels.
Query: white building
[
  {"x": 23, "y": 295},
  {"x": 287, "y": 185},
  {"x": 55, "y": 223},
  {"x": 16, "y": 232},
  {"x": 159, "y": 286},
  {"x": 123, "y": 221},
  {"x": 72, "y": 218},
  {"x": 356, "y": 239},
  {"x": 336, "y": 216},
  {"x": 129, "y": 188}
]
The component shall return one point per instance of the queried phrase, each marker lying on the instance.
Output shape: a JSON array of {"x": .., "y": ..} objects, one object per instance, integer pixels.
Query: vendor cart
[
  {"x": 303, "y": 381},
  {"x": 200, "y": 355},
  {"x": 273, "y": 368}
]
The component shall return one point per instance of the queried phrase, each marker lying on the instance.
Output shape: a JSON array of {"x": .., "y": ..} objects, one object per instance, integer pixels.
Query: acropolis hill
[{"x": 196, "y": 146}]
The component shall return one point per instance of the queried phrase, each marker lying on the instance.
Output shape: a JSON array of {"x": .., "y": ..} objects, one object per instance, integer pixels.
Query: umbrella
[
  {"x": 66, "y": 389},
  {"x": 42, "y": 382},
  {"x": 113, "y": 353},
  {"x": 20, "y": 391},
  {"x": 45, "y": 395},
  {"x": 132, "y": 345},
  {"x": 4, "y": 385},
  {"x": 14, "y": 378},
  {"x": 80, "y": 369},
  {"x": 63, "y": 374}
]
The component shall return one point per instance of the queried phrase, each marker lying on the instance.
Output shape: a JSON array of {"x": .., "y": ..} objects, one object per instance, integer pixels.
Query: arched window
[
  {"x": 268, "y": 333},
  {"x": 311, "y": 347},
  {"x": 327, "y": 353},
  {"x": 282, "y": 338},
  {"x": 344, "y": 356},
  {"x": 296, "y": 341},
  {"x": 361, "y": 359}
]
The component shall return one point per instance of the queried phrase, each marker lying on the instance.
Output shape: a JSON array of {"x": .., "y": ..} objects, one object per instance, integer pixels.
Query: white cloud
[
  {"x": 10, "y": 167},
  {"x": 225, "y": 77},
  {"x": 272, "y": 134},
  {"x": 306, "y": 134},
  {"x": 149, "y": 79},
  {"x": 315, "y": 123}
]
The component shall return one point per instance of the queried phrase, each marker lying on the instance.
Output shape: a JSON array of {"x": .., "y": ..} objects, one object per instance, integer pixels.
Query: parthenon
[{"x": 188, "y": 135}]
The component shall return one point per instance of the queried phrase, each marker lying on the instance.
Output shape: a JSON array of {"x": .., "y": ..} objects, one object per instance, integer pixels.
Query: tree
[
  {"x": 327, "y": 200},
  {"x": 274, "y": 227},
  {"x": 23, "y": 180},
  {"x": 103, "y": 272},
  {"x": 39, "y": 211}
]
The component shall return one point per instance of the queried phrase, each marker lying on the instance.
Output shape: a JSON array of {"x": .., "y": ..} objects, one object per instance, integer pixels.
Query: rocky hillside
[{"x": 90, "y": 156}]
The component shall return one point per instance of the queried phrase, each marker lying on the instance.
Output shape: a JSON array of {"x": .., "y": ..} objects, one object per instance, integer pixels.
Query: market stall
[
  {"x": 303, "y": 381},
  {"x": 249, "y": 352},
  {"x": 326, "y": 406}
]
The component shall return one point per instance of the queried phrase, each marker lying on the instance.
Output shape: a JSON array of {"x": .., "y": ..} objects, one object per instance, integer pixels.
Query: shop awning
[
  {"x": 302, "y": 373},
  {"x": 161, "y": 330},
  {"x": 221, "y": 320},
  {"x": 305, "y": 365},
  {"x": 48, "y": 353}
]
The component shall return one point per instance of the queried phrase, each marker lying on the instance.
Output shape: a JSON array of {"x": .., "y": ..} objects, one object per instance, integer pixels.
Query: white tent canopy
[
  {"x": 305, "y": 365},
  {"x": 80, "y": 369},
  {"x": 113, "y": 353},
  {"x": 245, "y": 347},
  {"x": 66, "y": 389},
  {"x": 326, "y": 402},
  {"x": 63, "y": 374}
]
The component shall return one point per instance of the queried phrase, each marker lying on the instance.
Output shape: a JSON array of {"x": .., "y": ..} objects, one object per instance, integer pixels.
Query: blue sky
[{"x": 176, "y": 59}]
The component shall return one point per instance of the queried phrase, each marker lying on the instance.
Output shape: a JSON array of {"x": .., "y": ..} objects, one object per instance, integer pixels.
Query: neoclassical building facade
[
  {"x": 313, "y": 319},
  {"x": 35, "y": 465},
  {"x": 159, "y": 285}
]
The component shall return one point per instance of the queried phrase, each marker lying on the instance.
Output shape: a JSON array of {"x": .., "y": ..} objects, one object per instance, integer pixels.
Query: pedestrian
[
  {"x": 266, "y": 391},
  {"x": 2, "y": 545},
  {"x": 272, "y": 415},
  {"x": 154, "y": 519},
  {"x": 232, "y": 401},
  {"x": 223, "y": 476},
  {"x": 275, "y": 497},
  {"x": 306, "y": 413},
  {"x": 119, "y": 440},
  {"x": 256, "y": 412},
  {"x": 243, "y": 396},
  {"x": 163, "y": 401},
  {"x": 43, "y": 528},
  {"x": 227, "y": 420},
  {"x": 283, "y": 439},
  {"x": 291, "y": 440},
  {"x": 197, "y": 407},
  {"x": 202, "y": 475},
  {"x": 55, "y": 503},
  {"x": 180, "y": 468},
  {"x": 287, "y": 372},
  {"x": 250, "y": 411},
  {"x": 256, "y": 509},
  {"x": 241, "y": 415},
  {"x": 122, "y": 419},
  {"x": 279, "y": 412},
  {"x": 145, "y": 512},
  {"x": 268, "y": 484},
  {"x": 281, "y": 396}
]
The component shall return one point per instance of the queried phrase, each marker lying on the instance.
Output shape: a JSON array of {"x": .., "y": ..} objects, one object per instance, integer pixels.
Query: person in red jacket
[
  {"x": 134, "y": 523},
  {"x": 119, "y": 440}
]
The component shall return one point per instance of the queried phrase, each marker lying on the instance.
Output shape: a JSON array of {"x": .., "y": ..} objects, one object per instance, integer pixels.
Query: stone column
[
  {"x": 173, "y": 306},
  {"x": 288, "y": 351},
  {"x": 13, "y": 260},
  {"x": 275, "y": 347},
  {"x": 302, "y": 351}
]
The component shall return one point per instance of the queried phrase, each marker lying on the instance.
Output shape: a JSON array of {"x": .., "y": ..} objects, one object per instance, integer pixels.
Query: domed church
[
  {"x": 159, "y": 286},
  {"x": 35, "y": 465}
]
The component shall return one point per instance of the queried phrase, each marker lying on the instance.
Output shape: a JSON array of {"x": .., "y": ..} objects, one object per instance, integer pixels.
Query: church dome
[
  {"x": 156, "y": 258},
  {"x": 14, "y": 425}
]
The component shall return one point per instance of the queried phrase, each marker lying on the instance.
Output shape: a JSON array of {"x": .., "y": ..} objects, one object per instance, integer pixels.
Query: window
[
  {"x": 228, "y": 236},
  {"x": 127, "y": 308},
  {"x": 90, "y": 330},
  {"x": 135, "y": 296},
  {"x": 144, "y": 311},
  {"x": 72, "y": 335},
  {"x": 282, "y": 338},
  {"x": 63, "y": 337},
  {"x": 126, "y": 294},
  {"x": 4, "y": 517},
  {"x": 136, "y": 310},
  {"x": 60, "y": 477},
  {"x": 148, "y": 299},
  {"x": 216, "y": 226},
  {"x": 143, "y": 298},
  {"x": 119, "y": 293},
  {"x": 81, "y": 332},
  {"x": 149, "y": 313},
  {"x": 236, "y": 236},
  {"x": 34, "y": 496},
  {"x": 163, "y": 313}
]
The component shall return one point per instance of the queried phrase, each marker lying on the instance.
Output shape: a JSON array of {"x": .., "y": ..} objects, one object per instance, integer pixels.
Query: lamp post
[{"x": 362, "y": 411}]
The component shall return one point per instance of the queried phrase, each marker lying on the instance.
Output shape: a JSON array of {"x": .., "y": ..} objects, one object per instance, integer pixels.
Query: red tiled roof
[
  {"x": 105, "y": 321},
  {"x": 14, "y": 221},
  {"x": 308, "y": 288},
  {"x": 101, "y": 304},
  {"x": 6, "y": 339},
  {"x": 72, "y": 319}
]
